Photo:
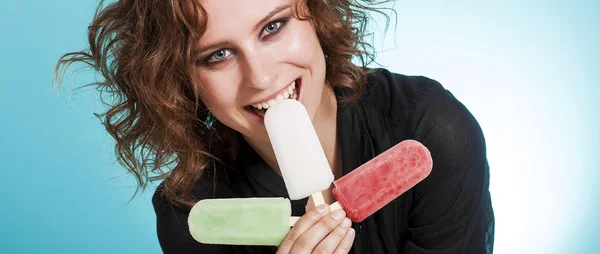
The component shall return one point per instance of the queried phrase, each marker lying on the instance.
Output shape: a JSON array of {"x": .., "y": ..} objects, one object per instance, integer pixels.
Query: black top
[{"x": 448, "y": 212}]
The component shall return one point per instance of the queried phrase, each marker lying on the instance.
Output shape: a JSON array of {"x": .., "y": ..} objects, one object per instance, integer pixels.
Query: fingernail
[
  {"x": 338, "y": 215},
  {"x": 346, "y": 223},
  {"x": 350, "y": 232},
  {"x": 322, "y": 208}
]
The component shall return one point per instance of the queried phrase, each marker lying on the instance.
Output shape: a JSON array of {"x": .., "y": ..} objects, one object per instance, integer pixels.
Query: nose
[{"x": 259, "y": 70}]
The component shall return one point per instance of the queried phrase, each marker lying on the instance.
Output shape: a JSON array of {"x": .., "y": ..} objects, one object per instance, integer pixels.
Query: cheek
[
  {"x": 302, "y": 42},
  {"x": 218, "y": 93}
]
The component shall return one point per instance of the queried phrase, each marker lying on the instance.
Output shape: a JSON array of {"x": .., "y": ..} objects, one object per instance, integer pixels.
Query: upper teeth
[{"x": 289, "y": 93}]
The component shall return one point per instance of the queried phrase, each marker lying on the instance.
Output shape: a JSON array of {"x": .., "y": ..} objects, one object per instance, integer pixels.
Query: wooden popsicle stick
[
  {"x": 293, "y": 220},
  {"x": 317, "y": 198},
  {"x": 335, "y": 206},
  {"x": 332, "y": 207}
]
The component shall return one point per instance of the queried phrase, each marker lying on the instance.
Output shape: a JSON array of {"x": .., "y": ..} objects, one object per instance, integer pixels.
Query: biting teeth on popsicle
[{"x": 289, "y": 93}]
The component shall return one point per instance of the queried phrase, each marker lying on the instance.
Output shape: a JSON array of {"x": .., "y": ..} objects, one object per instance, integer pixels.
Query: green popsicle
[{"x": 237, "y": 221}]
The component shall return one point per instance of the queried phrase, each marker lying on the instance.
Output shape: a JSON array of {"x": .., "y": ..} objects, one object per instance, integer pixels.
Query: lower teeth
[{"x": 259, "y": 112}]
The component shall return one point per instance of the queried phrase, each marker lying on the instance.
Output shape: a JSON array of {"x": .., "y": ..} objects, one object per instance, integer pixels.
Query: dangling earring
[{"x": 210, "y": 120}]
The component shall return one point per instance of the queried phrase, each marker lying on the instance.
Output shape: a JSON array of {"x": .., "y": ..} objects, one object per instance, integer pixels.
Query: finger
[
  {"x": 346, "y": 243},
  {"x": 308, "y": 240},
  {"x": 304, "y": 223},
  {"x": 334, "y": 239}
]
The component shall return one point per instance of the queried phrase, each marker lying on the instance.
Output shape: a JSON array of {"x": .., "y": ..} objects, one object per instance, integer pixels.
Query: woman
[{"x": 191, "y": 81}]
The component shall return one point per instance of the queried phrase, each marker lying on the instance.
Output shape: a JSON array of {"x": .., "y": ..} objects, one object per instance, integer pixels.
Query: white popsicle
[{"x": 301, "y": 158}]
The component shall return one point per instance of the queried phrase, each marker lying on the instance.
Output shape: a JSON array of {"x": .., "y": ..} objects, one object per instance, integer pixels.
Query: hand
[{"x": 319, "y": 231}]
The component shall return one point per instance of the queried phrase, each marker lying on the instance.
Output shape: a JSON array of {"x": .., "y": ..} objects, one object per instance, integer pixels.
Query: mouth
[{"x": 291, "y": 92}]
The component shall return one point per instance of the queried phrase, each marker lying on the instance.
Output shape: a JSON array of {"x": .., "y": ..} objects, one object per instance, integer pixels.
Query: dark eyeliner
[
  {"x": 282, "y": 26},
  {"x": 205, "y": 60}
]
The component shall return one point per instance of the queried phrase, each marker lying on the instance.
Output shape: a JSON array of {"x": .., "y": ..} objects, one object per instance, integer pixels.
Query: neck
[{"x": 326, "y": 127}]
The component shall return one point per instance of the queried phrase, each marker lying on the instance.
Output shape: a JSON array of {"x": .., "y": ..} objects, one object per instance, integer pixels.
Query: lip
[{"x": 261, "y": 120}]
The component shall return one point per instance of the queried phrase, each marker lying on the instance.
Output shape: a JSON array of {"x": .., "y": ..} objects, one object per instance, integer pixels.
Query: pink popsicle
[{"x": 382, "y": 179}]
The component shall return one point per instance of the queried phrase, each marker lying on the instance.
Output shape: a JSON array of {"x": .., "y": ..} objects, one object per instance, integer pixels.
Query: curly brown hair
[{"x": 143, "y": 50}]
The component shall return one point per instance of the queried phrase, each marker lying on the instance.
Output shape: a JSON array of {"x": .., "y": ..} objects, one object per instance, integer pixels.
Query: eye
[
  {"x": 218, "y": 56},
  {"x": 274, "y": 26}
]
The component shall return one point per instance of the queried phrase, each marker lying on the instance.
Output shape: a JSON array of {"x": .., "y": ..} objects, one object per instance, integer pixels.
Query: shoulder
[
  {"x": 431, "y": 115},
  {"x": 453, "y": 203},
  {"x": 397, "y": 95},
  {"x": 171, "y": 219},
  {"x": 171, "y": 224},
  {"x": 204, "y": 188}
]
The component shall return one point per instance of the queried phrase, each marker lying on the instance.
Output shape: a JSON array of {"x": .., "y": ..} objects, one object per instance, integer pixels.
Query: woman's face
[{"x": 253, "y": 52}]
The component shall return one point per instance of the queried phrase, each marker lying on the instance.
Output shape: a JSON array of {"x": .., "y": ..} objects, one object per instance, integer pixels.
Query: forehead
[
  {"x": 234, "y": 20},
  {"x": 238, "y": 13}
]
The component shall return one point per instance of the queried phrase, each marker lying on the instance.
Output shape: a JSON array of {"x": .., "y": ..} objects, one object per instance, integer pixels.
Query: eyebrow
[
  {"x": 256, "y": 27},
  {"x": 270, "y": 15}
]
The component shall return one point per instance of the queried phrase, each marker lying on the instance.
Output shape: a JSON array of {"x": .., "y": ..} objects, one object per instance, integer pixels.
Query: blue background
[{"x": 528, "y": 71}]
